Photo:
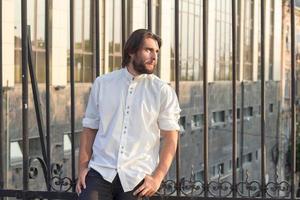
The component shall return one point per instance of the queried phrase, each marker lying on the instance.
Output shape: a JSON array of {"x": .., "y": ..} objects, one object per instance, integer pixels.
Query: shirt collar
[{"x": 130, "y": 77}]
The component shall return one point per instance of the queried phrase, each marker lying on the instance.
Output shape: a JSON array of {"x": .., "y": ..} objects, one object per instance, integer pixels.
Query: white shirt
[{"x": 129, "y": 113}]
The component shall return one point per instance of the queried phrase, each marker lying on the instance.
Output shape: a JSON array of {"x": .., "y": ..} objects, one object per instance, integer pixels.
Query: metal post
[
  {"x": 205, "y": 106},
  {"x": 123, "y": 23},
  {"x": 177, "y": 90},
  {"x": 263, "y": 151},
  {"x": 25, "y": 140},
  {"x": 150, "y": 15},
  {"x": 48, "y": 119},
  {"x": 97, "y": 38},
  {"x": 293, "y": 95},
  {"x": 234, "y": 111},
  {"x": 242, "y": 132},
  {"x": 36, "y": 97},
  {"x": 1, "y": 108},
  {"x": 6, "y": 135},
  {"x": 72, "y": 88}
]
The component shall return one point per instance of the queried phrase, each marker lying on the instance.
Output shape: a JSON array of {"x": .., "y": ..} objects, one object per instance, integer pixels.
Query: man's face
[{"x": 145, "y": 59}]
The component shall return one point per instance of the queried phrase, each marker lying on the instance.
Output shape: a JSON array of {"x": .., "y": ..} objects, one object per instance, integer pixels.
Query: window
[
  {"x": 16, "y": 154},
  {"x": 83, "y": 38},
  {"x": 114, "y": 15},
  {"x": 197, "y": 121},
  {"x": 190, "y": 41},
  {"x": 223, "y": 40},
  {"x": 199, "y": 175},
  {"x": 221, "y": 168},
  {"x": 36, "y": 21},
  {"x": 259, "y": 44},
  {"x": 182, "y": 124},
  {"x": 271, "y": 109},
  {"x": 256, "y": 154},
  {"x": 248, "y": 112},
  {"x": 230, "y": 115},
  {"x": 214, "y": 171},
  {"x": 218, "y": 169},
  {"x": 248, "y": 40},
  {"x": 249, "y": 157},
  {"x": 67, "y": 143},
  {"x": 271, "y": 38},
  {"x": 218, "y": 117}
]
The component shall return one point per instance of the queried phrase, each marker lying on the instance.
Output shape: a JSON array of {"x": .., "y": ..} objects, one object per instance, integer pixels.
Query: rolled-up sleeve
[
  {"x": 169, "y": 110},
  {"x": 91, "y": 118}
]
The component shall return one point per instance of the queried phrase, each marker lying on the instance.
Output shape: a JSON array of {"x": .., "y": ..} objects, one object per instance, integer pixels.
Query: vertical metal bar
[
  {"x": 6, "y": 135},
  {"x": 1, "y": 108},
  {"x": 205, "y": 98},
  {"x": 72, "y": 88},
  {"x": 234, "y": 111},
  {"x": 242, "y": 133},
  {"x": 263, "y": 151},
  {"x": 177, "y": 90},
  {"x": 25, "y": 140},
  {"x": 293, "y": 95},
  {"x": 150, "y": 15},
  {"x": 36, "y": 96},
  {"x": 97, "y": 14},
  {"x": 47, "y": 62},
  {"x": 123, "y": 23}
]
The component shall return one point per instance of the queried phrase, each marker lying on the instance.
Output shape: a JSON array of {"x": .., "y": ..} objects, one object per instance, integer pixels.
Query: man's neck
[{"x": 131, "y": 70}]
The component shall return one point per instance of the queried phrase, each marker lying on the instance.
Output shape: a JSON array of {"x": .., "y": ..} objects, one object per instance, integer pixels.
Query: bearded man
[{"x": 122, "y": 156}]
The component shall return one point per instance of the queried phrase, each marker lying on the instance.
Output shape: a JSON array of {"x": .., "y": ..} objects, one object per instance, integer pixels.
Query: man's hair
[{"x": 135, "y": 41}]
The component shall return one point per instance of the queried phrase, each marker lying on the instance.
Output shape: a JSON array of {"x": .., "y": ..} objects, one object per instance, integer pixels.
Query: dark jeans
[{"x": 98, "y": 188}]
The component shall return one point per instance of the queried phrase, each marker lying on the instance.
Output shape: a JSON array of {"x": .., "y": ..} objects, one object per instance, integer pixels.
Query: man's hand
[
  {"x": 81, "y": 180},
  {"x": 87, "y": 138},
  {"x": 149, "y": 186},
  {"x": 151, "y": 183}
]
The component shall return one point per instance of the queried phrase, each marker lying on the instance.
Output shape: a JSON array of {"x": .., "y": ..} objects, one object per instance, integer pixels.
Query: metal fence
[{"x": 59, "y": 187}]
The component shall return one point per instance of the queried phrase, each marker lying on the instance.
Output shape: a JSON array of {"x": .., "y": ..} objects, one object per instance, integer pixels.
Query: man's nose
[{"x": 154, "y": 56}]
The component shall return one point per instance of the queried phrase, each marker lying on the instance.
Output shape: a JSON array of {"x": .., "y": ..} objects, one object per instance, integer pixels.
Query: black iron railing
[{"x": 62, "y": 187}]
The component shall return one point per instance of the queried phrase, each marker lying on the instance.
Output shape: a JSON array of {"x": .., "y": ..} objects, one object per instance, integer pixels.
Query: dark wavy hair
[{"x": 135, "y": 41}]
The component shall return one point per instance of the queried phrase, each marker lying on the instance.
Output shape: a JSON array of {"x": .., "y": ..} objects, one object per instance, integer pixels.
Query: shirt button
[
  {"x": 125, "y": 127},
  {"x": 121, "y": 152}
]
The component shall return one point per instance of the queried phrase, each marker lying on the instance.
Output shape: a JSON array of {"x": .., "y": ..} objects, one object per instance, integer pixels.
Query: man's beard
[{"x": 141, "y": 67}]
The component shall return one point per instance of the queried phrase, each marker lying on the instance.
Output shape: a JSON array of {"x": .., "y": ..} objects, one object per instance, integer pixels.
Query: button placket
[{"x": 125, "y": 121}]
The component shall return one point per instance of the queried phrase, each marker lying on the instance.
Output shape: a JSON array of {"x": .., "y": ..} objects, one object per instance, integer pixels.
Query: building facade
[{"x": 219, "y": 71}]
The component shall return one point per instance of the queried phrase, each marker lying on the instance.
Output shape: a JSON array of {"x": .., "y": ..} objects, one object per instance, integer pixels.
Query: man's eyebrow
[{"x": 150, "y": 48}]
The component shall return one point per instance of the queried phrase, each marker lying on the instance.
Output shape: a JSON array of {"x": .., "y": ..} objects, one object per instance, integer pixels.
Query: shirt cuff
[
  {"x": 90, "y": 123},
  {"x": 169, "y": 125}
]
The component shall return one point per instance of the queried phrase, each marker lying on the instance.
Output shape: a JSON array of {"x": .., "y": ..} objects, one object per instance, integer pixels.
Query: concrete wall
[
  {"x": 220, "y": 135},
  {"x": 8, "y": 43},
  {"x": 191, "y": 101}
]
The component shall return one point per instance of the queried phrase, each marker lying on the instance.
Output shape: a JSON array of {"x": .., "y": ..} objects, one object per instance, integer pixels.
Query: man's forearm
[
  {"x": 167, "y": 153},
  {"x": 87, "y": 138}
]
